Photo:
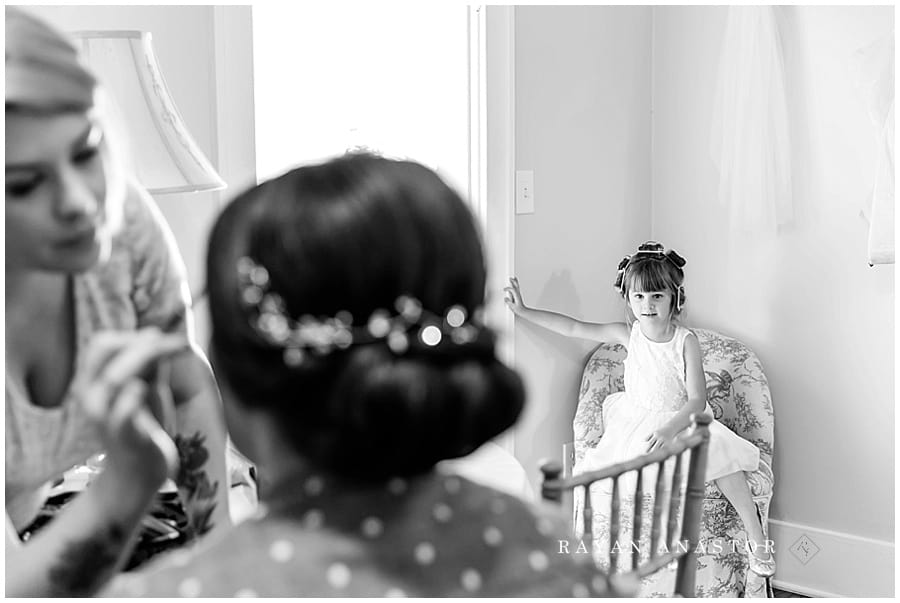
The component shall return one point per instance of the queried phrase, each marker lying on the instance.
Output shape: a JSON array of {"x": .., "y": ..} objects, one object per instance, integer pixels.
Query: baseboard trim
[
  {"x": 800, "y": 589},
  {"x": 844, "y": 565}
]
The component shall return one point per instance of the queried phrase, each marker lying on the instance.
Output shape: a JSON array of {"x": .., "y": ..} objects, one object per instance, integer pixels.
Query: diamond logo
[{"x": 804, "y": 549}]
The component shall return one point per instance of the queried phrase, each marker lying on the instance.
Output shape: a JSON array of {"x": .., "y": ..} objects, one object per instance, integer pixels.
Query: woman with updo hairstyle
[
  {"x": 96, "y": 297},
  {"x": 347, "y": 338},
  {"x": 355, "y": 236}
]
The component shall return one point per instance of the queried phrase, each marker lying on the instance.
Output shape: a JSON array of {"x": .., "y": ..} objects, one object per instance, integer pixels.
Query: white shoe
[{"x": 762, "y": 567}]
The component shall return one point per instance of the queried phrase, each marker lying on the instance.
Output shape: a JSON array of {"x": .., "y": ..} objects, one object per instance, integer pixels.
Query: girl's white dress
[{"x": 655, "y": 390}]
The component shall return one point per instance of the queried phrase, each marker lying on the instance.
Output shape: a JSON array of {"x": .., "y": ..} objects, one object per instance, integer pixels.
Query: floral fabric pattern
[{"x": 738, "y": 394}]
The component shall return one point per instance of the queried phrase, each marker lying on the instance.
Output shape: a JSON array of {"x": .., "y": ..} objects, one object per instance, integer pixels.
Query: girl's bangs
[{"x": 650, "y": 276}]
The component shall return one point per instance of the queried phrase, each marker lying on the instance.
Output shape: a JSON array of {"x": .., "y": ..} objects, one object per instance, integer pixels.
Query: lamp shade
[{"x": 166, "y": 157}]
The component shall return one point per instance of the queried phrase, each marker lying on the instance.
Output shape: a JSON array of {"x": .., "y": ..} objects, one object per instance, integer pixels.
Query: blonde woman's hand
[
  {"x": 115, "y": 389},
  {"x": 513, "y": 296}
]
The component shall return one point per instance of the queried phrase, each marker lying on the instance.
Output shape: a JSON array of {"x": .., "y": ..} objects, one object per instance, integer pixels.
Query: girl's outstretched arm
[
  {"x": 695, "y": 381},
  {"x": 615, "y": 332}
]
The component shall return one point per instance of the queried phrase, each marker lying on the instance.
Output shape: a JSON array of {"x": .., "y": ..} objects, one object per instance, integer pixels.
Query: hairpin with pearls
[{"x": 320, "y": 336}]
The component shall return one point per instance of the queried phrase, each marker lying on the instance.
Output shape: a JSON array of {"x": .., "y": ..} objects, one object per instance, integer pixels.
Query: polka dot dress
[{"x": 438, "y": 535}]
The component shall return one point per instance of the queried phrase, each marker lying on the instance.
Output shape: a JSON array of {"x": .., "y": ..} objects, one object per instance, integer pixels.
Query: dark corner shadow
[
  {"x": 566, "y": 355},
  {"x": 560, "y": 295}
]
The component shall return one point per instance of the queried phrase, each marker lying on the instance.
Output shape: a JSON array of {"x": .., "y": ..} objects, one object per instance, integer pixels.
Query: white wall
[
  {"x": 184, "y": 40},
  {"x": 820, "y": 319},
  {"x": 583, "y": 126}
]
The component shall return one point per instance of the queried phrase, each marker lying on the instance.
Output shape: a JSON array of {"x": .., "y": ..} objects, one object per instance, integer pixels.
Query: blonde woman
[{"x": 88, "y": 253}]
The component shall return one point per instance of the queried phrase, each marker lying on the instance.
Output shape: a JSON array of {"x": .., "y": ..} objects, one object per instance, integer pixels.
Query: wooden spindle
[
  {"x": 674, "y": 504},
  {"x": 637, "y": 519},
  {"x": 587, "y": 519},
  {"x": 696, "y": 489},
  {"x": 614, "y": 526},
  {"x": 657, "y": 508}
]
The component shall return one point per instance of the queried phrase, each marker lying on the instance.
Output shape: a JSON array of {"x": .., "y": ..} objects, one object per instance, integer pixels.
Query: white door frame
[{"x": 492, "y": 159}]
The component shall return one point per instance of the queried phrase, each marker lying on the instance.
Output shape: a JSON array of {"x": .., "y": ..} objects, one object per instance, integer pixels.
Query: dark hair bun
[
  {"x": 353, "y": 235},
  {"x": 392, "y": 415}
]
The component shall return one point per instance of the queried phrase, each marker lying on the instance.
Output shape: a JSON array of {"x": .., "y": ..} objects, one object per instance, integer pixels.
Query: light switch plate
[{"x": 524, "y": 192}]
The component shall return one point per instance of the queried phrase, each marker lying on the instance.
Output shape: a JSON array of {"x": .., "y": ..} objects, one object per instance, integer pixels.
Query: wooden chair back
[{"x": 680, "y": 545}]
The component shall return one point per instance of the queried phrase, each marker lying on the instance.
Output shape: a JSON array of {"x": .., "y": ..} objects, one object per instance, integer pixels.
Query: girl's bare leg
[{"x": 734, "y": 487}]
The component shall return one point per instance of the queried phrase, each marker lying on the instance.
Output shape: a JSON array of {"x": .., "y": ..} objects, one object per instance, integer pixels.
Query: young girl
[{"x": 664, "y": 382}]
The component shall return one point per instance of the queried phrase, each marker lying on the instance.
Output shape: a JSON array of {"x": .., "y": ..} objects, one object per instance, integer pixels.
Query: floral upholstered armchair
[{"x": 738, "y": 393}]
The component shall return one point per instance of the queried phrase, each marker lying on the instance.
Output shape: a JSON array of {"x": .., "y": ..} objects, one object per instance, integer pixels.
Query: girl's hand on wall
[{"x": 513, "y": 296}]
